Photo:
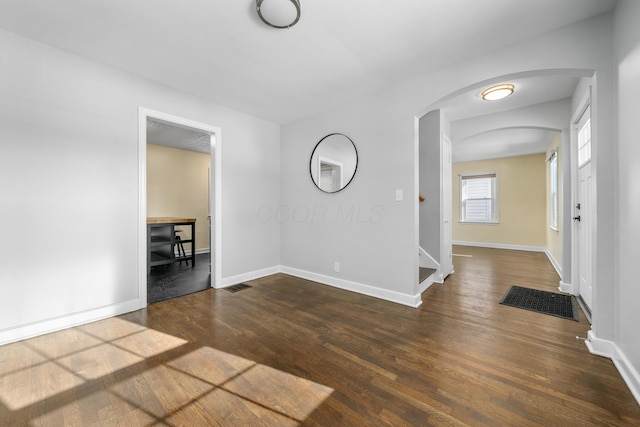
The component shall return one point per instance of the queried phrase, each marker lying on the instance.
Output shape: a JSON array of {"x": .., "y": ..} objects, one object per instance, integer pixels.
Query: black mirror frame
[{"x": 311, "y": 163}]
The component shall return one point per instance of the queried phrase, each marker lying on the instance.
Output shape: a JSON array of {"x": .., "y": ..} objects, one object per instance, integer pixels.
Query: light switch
[{"x": 399, "y": 195}]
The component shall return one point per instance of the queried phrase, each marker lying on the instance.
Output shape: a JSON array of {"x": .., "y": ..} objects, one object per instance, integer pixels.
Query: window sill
[{"x": 480, "y": 222}]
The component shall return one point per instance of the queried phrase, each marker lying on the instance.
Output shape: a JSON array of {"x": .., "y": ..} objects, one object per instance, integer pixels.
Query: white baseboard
[
  {"x": 628, "y": 372},
  {"x": 404, "y": 299},
  {"x": 67, "y": 321},
  {"x": 598, "y": 346},
  {"x": 202, "y": 251},
  {"x": 500, "y": 246},
  {"x": 566, "y": 288},
  {"x": 554, "y": 263},
  {"x": 610, "y": 349},
  {"x": 252, "y": 275}
]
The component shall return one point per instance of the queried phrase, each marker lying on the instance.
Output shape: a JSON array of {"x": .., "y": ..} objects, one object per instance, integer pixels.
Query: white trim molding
[
  {"x": 500, "y": 246},
  {"x": 566, "y": 288},
  {"x": 610, "y": 349},
  {"x": 216, "y": 193},
  {"x": 68, "y": 321},
  {"x": 554, "y": 263},
  {"x": 409, "y": 300}
]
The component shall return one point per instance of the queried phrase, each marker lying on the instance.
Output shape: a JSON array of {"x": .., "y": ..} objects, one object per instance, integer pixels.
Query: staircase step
[{"x": 425, "y": 273}]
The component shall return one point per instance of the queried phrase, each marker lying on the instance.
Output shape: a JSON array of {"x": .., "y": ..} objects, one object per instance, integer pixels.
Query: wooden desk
[{"x": 161, "y": 240}]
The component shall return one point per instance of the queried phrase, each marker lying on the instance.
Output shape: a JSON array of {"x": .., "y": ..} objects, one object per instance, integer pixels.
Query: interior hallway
[{"x": 291, "y": 352}]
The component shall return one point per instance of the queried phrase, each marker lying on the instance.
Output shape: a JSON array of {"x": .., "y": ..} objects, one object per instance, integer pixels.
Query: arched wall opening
[{"x": 464, "y": 118}]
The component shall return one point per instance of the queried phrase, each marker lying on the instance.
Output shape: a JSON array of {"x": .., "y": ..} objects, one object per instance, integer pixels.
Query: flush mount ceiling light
[
  {"x": 279, "y": 13},
  {"x": 497, "y": 92}
]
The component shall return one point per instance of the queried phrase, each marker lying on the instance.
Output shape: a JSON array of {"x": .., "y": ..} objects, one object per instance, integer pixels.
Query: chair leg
[{"x": 181, "y": 248}]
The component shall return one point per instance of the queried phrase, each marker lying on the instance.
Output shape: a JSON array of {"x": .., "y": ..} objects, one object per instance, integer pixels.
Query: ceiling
[
  {"x": 493, "y": 132},
  {"x": 339, "y": 51},
  {"x": 168, "y": 135}
]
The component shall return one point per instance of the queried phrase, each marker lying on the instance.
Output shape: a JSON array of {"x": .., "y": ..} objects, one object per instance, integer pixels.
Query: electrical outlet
[{"x": 336, "y": 267}]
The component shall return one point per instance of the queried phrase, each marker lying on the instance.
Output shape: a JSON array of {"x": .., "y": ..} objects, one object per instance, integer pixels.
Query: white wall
[
  {"x": 627, "y": 233},
  {"x": 69, "y": 186},
  {"x": 381, "y": 252}
]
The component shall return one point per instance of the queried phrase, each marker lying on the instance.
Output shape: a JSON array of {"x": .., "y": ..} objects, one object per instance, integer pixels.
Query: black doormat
[
  {"x": 236, "y": 288},
  {"x": 544, "y": 302}
]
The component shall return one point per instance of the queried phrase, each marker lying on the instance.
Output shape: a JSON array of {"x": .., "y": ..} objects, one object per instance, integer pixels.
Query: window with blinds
[
  {"x": 478, "y": 198},
  {"x": 553, "y": 190}
]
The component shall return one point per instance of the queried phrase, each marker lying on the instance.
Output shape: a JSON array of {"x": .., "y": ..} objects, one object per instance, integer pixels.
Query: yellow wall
[
  {"x": 522, "y": 202},
  {"x": 177, "y": 185},
  {"x": 554, "y": 237}
]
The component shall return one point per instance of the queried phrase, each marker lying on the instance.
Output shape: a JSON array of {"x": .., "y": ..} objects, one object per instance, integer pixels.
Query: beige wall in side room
[
  {"x": 554, "y": 237},
  {"x": 177, "y": 185},
  {"x": 521, "y": 202}
]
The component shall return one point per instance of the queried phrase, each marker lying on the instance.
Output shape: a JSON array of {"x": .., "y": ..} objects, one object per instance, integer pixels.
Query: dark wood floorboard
[
  {"x": 292, "y": 352},
  {"x": 178, "y": 279}
]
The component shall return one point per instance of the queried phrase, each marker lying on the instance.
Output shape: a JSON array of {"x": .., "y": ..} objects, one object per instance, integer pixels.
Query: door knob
[{"x": 576, "y": 218}]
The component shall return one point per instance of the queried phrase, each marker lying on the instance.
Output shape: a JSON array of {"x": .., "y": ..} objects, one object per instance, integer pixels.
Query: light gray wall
[
  {"x": 69, "y": 182},
  {"x": 430, "y": 183},
  {"x": 627, "y": 233},
  {"x": 382, "y": 253}
]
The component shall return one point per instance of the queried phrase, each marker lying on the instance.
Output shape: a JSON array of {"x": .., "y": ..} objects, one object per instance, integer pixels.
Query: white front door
[{"x": 584, "y": 209}]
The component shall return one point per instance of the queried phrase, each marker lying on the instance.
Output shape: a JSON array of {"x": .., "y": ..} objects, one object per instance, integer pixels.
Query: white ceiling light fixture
[
  {"x": 279, "y": 13},
  {"x": 495, "y": 93}
]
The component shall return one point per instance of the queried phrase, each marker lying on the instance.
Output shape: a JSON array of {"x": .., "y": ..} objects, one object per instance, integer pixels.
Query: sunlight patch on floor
[
  {"x": 114, "y": 371},
  {"x": 250, "y": 389},
  {"x": 52, "y": 364}
]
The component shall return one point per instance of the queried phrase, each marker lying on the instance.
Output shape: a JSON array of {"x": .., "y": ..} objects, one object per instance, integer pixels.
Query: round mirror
[{"x": 333, "y": 162}]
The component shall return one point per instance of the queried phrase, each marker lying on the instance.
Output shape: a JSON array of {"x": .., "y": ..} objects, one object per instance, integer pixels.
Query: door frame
[
  {"x": 215, "y": 199},
  {"x": 446, "y": 248},
  {"x": 585, "y": 102}
]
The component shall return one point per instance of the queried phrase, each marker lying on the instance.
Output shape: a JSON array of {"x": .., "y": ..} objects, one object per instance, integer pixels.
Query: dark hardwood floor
[
  {"x": 292, "y": 352},
  {"x": 178, "y": 279}
]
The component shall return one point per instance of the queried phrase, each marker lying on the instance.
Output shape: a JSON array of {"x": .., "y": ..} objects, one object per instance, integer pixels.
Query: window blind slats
[{"x": 478, "y": 198}]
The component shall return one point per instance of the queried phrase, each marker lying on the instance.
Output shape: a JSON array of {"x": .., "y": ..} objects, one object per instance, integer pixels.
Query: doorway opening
[
  {"x": 534, "y": 123},
  {"x": 180, "y": 178}
]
